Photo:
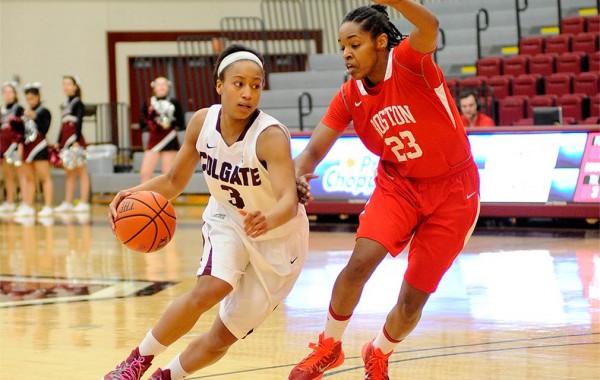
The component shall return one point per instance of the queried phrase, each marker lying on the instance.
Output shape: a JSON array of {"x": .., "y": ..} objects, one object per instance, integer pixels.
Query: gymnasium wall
[{"x": 43, "y": 40}]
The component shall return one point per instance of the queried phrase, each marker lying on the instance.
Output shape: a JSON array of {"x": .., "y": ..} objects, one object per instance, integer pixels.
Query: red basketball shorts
[{"x": 437, "y": 217}]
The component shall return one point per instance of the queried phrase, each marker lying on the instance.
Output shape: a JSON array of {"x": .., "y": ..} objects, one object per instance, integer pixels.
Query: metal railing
[
  {"x": 519, "y": 9},
  {"x": 481, "y": 27}
]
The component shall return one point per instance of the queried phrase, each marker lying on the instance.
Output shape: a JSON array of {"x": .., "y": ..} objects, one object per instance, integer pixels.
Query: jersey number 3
[
  {"x": 235, "y": 196},
  {"x": 404, "y": 146}
]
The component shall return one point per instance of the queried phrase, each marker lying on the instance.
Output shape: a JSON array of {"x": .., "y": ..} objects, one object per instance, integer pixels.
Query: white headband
[
  {"x": 12, "y": 84},
  {"x": 237, "y": 56},
  {"x": 37, "y": 85}
]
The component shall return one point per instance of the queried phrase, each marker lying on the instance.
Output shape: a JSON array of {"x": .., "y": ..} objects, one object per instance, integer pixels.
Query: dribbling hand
[
  {"x": 112, "y": 207},
  {"x": 303, "y": 188},
  {"x": 255, "y": 223}
]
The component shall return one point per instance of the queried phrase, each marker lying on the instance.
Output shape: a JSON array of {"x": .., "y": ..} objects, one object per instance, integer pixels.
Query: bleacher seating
[
  {"x": 586, "y": 83},
  {"x": 561, "y": 43},
  {"x": 515, "y": 65},
  {"x": 585, "y": 43},
  {"x": 569, "y": 63},
  {"x": 558, "y": 84},
  {"x": 526, "y": 84},
  {"x": 489, "y": 66},
  {"x": 531, "y": 45},
  {"x": 572, "y": 25},
  {"x": 501, "y": 85},
  {"x": 593, "y": 24},
  {"x": 572, "y": 106},
  {"x": 543, "y": 64},
  {"x": 511, "y": 109},
  {"x": 540, "y": 101}
]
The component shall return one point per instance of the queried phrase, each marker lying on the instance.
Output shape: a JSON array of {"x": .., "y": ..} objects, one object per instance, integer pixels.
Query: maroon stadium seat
[
  {"x": 558, "y": 44},
  {"x": 586, "y": 83},
  {"x": 531, "y": 45},
  {"x": 569, "y": 63},
  {"x": 474, "y": 83},
  {"x": 524, "y": 122},
  {"x": 511, "y": 109},
  {"x": 543, "y": 64},
  {"x": 515, "y": 65},
  {"x": 540, "y": 101},
  {"x": 526, "y": 84},
  {"x": 489, "y": 66},
  {"x": 593, "y": 24},
  {"x": 585, "y": 42},
  {"x": 572, "y": 106},
  {"x": 572, "y": 25},
  {"x": 501, "y": 85},
  {"x": 558, "y": 84}
]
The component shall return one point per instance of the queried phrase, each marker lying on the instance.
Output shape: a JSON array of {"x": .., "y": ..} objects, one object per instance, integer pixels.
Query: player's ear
[
  {"x": 381, "y": 41},
  {"x": 219, "y": 87}
]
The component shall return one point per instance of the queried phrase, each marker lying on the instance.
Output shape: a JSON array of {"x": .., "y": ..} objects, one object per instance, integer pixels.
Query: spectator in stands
[
  {"x": 72, "y": 147},
  {"x": 8, "y": 147},
  {"x": 162, "y": 117},
  {"x": 471, "y": 113},
  {"x": 35, "y": 125}
]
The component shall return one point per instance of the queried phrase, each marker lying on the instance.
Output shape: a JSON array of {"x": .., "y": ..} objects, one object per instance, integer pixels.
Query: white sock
[
  {"x": 177, "y": 371},
  {"x": 385, "y": 342},
  {"x": 151, "y": 346},
  {"x": 336, "y": 325}
]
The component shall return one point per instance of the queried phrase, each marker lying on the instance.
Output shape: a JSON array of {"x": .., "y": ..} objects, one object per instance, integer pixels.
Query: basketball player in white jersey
[{"x": 255, "y": 233}]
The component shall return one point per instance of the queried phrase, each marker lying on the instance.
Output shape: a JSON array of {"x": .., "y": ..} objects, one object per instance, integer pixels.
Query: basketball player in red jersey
[{"x": 427, "y": 184}]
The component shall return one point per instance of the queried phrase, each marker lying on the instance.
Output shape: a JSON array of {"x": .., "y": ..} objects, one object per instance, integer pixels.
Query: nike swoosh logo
[
  {"x": 470, "y": 195},
  {"x": 356, "y": 104},
  {"x": 293, "y": 261},
  {"x": 210, "y": 147}
]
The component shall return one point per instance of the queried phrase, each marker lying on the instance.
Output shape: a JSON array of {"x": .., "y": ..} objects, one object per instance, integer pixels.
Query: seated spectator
[{"x": 471, "y": 113}]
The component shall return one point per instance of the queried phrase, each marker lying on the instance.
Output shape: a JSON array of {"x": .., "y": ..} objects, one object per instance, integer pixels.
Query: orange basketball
[{"x": 145, "y": 221}]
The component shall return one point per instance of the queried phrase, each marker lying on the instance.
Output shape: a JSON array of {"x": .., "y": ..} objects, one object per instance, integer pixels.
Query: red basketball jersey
[{"x": 409, "y": 119}]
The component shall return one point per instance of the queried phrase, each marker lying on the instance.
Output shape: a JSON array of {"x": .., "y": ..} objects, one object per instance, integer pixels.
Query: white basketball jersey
[{"x": 234, "y": 175}]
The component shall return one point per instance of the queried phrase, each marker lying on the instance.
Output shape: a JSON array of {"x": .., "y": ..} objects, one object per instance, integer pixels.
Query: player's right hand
[
  {"x": 303, "y": 188},
  {"x": 112, "y": 207}
]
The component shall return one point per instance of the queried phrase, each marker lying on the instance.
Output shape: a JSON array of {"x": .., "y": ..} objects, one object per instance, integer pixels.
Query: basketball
[{"x": 145, "y": 221}]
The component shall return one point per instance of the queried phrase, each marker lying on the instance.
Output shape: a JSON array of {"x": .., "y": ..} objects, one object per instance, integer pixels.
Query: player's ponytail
[{"x": 374, "y": 19}]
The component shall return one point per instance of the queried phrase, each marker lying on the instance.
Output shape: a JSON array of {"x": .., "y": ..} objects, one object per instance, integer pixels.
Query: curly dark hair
[{"x": 374, "y": 19}]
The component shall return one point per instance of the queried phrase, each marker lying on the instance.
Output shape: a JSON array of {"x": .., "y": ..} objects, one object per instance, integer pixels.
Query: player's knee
[{"x": 409, "y": 311}]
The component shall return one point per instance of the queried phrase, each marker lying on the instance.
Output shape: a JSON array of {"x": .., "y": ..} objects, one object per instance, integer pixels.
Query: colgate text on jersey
[
  {"x": 229, "y": 172},
  {"x": 391, "y": 116}
]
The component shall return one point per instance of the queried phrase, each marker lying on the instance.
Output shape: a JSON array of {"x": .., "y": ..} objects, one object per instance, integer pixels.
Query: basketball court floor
[{"x": 516, "y": 304}]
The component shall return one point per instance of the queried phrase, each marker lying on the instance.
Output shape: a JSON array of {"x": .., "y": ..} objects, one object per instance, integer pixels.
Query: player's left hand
[{"x": 255, "y": 223}]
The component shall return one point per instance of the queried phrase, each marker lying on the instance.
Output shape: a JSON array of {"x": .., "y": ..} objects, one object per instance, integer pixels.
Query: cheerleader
[
  {"x": 36, "y": 122},
  {"x": 72, "y": 146},
  {"x": 8, "y": 146},
  {"x": 162, "y": 117}
]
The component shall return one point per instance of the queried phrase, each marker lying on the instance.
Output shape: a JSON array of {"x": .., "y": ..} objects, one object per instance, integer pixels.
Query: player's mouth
[
  {"x": 350, "y": 69},
  {"x": 245, "y": 106}
]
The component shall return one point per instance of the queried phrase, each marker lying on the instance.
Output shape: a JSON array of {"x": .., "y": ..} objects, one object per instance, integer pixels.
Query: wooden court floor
[{"x": 515, "y": 305}]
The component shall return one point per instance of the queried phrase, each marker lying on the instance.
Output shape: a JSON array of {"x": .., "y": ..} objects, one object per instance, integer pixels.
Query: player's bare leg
[
  {"x": 208, "y": 348},
  {"x": 149, "y": 161},
  {"x": 177, "y": 320},
  {"x": 184, "y": 312},
  {"x": 350, "y": 282}
]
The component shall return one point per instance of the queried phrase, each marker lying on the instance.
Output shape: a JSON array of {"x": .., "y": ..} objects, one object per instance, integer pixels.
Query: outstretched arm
[{"x": 423, "y": 37}]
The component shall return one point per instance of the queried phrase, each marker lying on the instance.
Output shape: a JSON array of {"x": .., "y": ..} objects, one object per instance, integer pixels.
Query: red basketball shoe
[
  {"x": 376, "y": 363},
  {"x": 326, "y": 355},
  {"x": 159, "y": 374},
  {"x": 131, "y": 368}
]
